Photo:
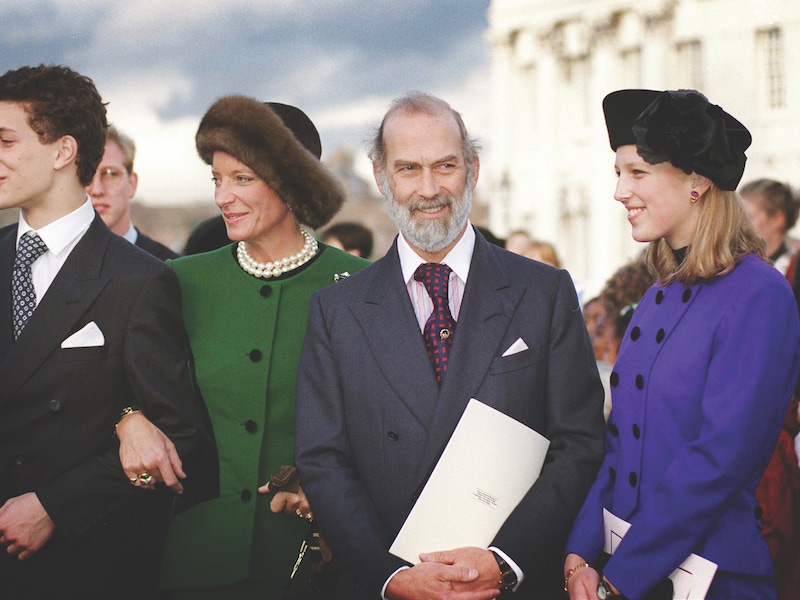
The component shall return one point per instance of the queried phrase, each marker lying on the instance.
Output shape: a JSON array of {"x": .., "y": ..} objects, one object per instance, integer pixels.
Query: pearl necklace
[{"x": 279, "y": 267}]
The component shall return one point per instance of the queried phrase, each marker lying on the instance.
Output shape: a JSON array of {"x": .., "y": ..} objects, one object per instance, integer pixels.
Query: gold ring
[
  {"x": 309, "y": 516},
  {"x": 133, "y": 480},
  {"x": 145, "y": 478},
  {"x": 298, "y": 513}
]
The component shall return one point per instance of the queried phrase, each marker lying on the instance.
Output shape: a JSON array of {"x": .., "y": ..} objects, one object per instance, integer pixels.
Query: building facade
[{"x": 553, "y": 61}]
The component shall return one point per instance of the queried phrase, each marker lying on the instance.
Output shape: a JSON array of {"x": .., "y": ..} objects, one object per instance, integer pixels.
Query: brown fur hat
[{"x": 255, "y": 134}]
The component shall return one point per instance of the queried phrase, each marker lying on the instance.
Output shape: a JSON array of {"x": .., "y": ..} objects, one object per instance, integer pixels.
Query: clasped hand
[{"x": 460, "y": 574}]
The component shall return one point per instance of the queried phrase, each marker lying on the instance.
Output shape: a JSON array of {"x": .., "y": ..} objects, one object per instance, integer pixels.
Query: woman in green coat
[{"x": 245, "y": 307}]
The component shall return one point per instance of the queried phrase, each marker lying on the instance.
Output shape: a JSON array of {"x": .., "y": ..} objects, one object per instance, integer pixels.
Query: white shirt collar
[
  {"x": 61, "y": 233},
  {"x": 458, "y": 259},
  {"x": 131, "y": 235}
]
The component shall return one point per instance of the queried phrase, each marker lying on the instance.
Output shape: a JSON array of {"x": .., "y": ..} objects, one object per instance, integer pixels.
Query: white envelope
[
  {"x": 516, "y": 347},
  {"x": 487, "y": 467},
  {"x": 88, "y": 336},
  {"x": 690, "y": 581}
]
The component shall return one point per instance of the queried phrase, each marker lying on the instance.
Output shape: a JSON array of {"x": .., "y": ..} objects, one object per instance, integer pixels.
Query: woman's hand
[
  {"x": 582, "y": 583},
  {"x": 145, "y": 450},
  {"x": 297, "y": 503},
  {"x": 289, "y": 502}
]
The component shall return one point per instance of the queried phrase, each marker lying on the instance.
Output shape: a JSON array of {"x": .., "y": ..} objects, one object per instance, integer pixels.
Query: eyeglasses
[{"x": 110, "y": 176}]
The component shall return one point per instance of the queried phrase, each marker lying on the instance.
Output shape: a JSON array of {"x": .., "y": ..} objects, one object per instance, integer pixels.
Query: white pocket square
[
  {"x": 516, "y": 347},
  {"x": 87, "y": 337}
]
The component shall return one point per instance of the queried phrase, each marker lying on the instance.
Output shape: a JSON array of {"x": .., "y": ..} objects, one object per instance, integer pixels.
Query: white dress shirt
[
  {"x": 459, "y": 260},
  {"x": 60, "y": 237},
  {"x": 131, "y": 235}
]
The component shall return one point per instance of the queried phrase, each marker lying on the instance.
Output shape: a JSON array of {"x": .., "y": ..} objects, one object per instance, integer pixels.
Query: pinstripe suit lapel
[
  {"x": 487, "y": 309},
  {"x": 395, "y": 340}
]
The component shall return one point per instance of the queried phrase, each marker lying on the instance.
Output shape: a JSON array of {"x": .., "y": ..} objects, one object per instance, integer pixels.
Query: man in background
[{"x": 112, "y": 188}]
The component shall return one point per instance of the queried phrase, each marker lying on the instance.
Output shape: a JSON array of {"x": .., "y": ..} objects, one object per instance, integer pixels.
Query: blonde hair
[
  {"x": 724, "y": 234},
  {"x": 125, "y": 144},
  {"x": 543, "y": 252}
]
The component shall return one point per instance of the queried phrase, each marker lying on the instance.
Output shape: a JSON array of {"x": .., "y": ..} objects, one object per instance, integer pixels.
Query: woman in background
[
  {"x": 773, "y": 206},
  {"x": 609, "y": 315}
]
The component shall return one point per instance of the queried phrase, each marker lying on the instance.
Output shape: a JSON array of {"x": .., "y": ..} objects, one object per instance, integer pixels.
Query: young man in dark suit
[
  {"x": 376, "y": 404},
  {"x": 90, "y": 332},
  {"x": 113, "y": 187}
]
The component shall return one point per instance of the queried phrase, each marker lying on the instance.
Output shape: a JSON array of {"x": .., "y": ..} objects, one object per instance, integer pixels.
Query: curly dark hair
[
  {"x": 59, "y": 102},
  {"x": 622, "y": 292}
]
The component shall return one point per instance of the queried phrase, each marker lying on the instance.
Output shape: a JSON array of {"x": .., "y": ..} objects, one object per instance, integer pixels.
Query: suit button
[
  {"x": 660, "y": 336},
  {"x": 251, "y": 426},
  {"x": 393, "y": 436},
  {"x": 632, "y": 479},
  {"x": 687, "y": 293},
  {"x": 635, "y": 332},
  {"x": 639, "y": 382},
  {"x": 255, "y": 355},
  {"x": 54, "y": 405},
  {"x": 19, "y": 461},
  {"x": 614, "y": 379},
  {"x": 636, "y": 431},
  {"x": 246, "y": 495},
  {"x": 265, "y": 291},
  {"x": 660, "y": 297}
]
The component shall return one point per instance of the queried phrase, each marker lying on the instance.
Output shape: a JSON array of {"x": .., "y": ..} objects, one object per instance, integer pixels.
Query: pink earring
[{"x": 695, "y": 196}]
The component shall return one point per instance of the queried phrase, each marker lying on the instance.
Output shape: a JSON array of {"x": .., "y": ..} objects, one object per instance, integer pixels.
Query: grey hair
[{"x": 421, "y": 102}]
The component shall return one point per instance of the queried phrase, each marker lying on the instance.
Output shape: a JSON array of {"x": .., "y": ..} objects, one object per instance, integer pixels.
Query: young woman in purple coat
[{"x": 705, "y": 371}]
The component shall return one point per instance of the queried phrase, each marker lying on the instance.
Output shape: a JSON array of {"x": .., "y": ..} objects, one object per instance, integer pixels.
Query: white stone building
[{"x": 553, "y": 61}]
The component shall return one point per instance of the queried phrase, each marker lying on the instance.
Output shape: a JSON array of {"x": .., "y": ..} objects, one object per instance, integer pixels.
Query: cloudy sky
[{"x": 160, "y": 63}]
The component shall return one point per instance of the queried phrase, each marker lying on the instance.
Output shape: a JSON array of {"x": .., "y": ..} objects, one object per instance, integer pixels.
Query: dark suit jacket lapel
[
  {"x": 73, "y": 290},
  {"x": 8, "y": 253},
  {"x": 395, "y": 340},
  {"x": 487, "y": 308}
]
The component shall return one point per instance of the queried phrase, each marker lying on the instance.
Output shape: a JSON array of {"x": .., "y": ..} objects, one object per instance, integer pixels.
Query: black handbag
[{"x": 315, "y": 573}]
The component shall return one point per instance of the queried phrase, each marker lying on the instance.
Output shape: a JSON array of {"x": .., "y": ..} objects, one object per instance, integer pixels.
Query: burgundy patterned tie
[{"x": 438, "y": 331}]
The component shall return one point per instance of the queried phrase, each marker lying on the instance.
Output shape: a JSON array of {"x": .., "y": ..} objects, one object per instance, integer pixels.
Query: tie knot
[
  {"x": 435, "y": 277},
  {"x": 30, "y": 248}
]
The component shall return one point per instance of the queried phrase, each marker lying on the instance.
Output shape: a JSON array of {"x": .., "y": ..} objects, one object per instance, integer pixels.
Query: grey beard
[{"x": 430, "y": 236}]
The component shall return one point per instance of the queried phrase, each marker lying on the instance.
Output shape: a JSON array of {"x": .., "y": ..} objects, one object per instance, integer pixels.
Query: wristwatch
[
  {"x": 604, "y": 591},
  {"x": 508, "y": 577}
]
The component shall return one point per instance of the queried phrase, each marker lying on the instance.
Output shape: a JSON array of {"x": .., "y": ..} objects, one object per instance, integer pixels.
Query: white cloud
[
  {"x": 161, "y": 64},
  {"x": 170, "y": 172}
]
